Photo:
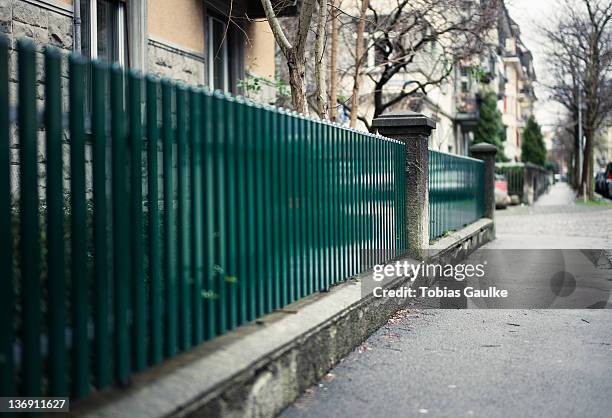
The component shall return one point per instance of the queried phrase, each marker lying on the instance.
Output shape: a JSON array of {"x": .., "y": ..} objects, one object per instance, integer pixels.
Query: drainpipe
[{"x": 76, "y": 18}]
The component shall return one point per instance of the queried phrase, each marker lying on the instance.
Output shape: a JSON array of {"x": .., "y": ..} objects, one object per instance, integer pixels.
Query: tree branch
[
  {"x": 322, "y": 103},
  {"x": 303, "y": 25},
  {"x": 277, "y": 30}
]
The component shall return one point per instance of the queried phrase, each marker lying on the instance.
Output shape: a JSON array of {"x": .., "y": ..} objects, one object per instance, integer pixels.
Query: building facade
[
  {"x": 191, "y": 41},
  {"x": 506, "y": 68}
]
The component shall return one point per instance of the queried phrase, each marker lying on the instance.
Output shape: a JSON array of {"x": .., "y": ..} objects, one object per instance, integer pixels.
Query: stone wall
[
  {"x": 166, "y": 60},
  {"x": 51, "y": 23},
  {"x": 45, "y": 24}
]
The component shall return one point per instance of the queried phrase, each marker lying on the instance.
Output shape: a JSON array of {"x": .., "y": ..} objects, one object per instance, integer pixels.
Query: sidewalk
[
  {"x": 555, "y": 222},
  {"x": 486, "y": 363},
  {"x": 559, "y": 194},
  {"x": 474, "y": 363}
]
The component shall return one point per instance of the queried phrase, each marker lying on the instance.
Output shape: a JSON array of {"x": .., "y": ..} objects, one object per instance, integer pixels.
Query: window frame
[
  {"x": 120, "y": 25},
  {"x": 211, "y": 53},
  {"x": 233, "y": 52}
]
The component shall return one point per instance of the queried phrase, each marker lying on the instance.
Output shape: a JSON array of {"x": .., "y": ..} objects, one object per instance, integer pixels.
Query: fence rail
[
  {"x": 456, "y": 193},
  {"x": 186, "y": 214}
]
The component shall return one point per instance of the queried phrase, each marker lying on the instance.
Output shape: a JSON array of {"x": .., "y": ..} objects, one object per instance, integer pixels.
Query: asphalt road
[{"x": 486, "y": 363}]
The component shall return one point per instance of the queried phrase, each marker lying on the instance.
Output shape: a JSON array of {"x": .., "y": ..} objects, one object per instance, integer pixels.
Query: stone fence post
[
  {"x": 529, "y": 179},
  {"x": 413, "y": 129},
  {"x": 486, "y": 152}
]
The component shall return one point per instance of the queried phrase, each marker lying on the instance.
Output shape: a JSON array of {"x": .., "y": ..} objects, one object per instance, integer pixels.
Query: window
[
  {"x": 218, "y": 59},
  {"x": 103, "y": 30},
  {"x": 225, "y": 60}
]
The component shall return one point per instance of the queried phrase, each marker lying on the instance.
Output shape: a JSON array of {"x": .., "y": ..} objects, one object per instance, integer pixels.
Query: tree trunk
[
  {"x": 294, "y": 53},
  {"x": 576, "y": 162},
  {"x": 586, "y": 183},
  {"x": 297, "y": 82},
  {"x": 321, "y": 85},
  {"x": 333, "y": 65},
  {"x": 378, "y": 101},
  {"x": 359, "y": 58}
]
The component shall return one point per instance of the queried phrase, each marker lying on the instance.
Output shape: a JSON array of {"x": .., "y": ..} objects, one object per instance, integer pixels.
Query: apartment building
[
  {"x": 504, "y": 67},
  {"x": 192, "y": 41},
  {"x": 518, "y": 96},
  {"x": 428, "y": 64}
]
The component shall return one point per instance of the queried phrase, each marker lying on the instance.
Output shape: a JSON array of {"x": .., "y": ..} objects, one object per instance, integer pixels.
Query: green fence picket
[
  {"x": 241, "y": 214},
  {"x": 283, "y": 207},
  {"x": 56, "y": 287},
  {"x": 29, "y": 249},
  {"x": 78, "y": 220},
  {"x": 251, "y": 229},
  {"x": 210, "y": 294},
  {"x": 274, "y": 186},
  {"x": 183, "y": 226},
  {"x": 290, "y": 203},
  {"x": 230, "y": 275},
  {"x": 135, "y": 99},
  {"x": 7, "y": 295},
  {"x": 316, "y": 199},
  {"x": 197, "y": 230},
  {"x": 328, "y": 205},
  {"x": 333, "y": 202},
  {"x": 102, "y": 358},
  {"x": 311, "y": 261},
  {"x": 266, "y": 197},
  {"x": 169, "y": 219},
  {"x": 220, "y": 236},
  {"x": 155, "y": 266},
  {"x": 300, "y": 212},
  {"x": 121, "y": 257}
]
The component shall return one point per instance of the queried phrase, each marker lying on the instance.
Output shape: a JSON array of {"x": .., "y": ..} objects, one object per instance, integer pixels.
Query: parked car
[
  {"x": 607, "y": 182},
  {"x": 502, "y": 200},
  {"x": 600, "y": 183}
]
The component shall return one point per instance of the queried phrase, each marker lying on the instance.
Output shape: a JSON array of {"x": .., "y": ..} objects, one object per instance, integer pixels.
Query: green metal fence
[
  {"x": 186, "y": 214},
  {"x": 515, "y": 175},
  {"x": 526, "y": 180},
  {"x": 456, "y": 192}
]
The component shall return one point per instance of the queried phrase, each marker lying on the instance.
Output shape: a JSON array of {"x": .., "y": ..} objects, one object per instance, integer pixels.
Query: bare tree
[
  {"x": 585, "y": 34},
  {"x": 294, "y": 52},
  {"x": 320, "y": 73},
  {"x": 418, "y": 42},
  {"x": 359, "y": 58},
  {"x": 333, "y": 65},
  {"x": 563, "y": 143},
  {"x": 566, "y": 90}
]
